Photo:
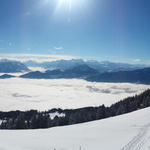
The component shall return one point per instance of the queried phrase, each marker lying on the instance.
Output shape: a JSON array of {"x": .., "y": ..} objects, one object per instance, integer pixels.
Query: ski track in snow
[{"x": 137, "y": 143}]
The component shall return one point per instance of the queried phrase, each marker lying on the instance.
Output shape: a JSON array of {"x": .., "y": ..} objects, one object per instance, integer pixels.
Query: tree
[{"x": 20, "y": 122}]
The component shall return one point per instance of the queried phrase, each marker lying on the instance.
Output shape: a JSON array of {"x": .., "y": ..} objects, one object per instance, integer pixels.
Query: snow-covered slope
[
  {"x": 126, "y": 132},
  {"x": 26, "y": 94}
]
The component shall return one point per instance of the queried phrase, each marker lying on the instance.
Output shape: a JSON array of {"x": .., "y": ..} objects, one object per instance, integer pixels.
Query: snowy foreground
[
  {"x": 26, "y": 94},
  {"x": 126, "y": 132}
]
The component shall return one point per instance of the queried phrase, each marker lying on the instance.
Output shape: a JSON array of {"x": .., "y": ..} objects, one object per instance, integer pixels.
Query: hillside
[{"x": 129, "y": 131}]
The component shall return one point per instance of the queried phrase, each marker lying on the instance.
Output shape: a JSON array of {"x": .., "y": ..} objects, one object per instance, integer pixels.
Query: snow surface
[
  {"x": 53, "y": 115},
  {"x": 41, "y": 94},
  {"x": 126, "y": 132}
]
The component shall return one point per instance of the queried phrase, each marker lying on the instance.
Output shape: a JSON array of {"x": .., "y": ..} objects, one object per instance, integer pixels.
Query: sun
[{"x": 66, "y": 1}]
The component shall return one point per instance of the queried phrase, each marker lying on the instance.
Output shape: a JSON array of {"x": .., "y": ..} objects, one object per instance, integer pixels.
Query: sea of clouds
[{"x": 26, "y": 94}]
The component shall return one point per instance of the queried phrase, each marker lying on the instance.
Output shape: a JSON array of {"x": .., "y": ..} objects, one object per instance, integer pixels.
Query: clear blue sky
[{"x": 116, "y": 30}]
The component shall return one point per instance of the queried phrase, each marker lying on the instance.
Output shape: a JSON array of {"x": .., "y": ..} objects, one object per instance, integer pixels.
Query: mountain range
[
  {"x": 9, "y": 66},
  {"x": 90, "y": 74},
  {"x": 81, "y": 71},
  {"x": 89, "y": 70},
  {"x": 104, "y": 66}
]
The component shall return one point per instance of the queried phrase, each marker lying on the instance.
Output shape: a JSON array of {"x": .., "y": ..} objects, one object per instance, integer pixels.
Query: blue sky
[{"x": 115, "y": 30}]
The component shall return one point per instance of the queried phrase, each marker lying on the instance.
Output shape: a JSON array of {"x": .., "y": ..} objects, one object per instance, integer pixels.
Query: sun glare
[
  {"x": 71, "y": 5},
  {"x": 65, "y": 3},
  {"x": 66, "y": 8}
]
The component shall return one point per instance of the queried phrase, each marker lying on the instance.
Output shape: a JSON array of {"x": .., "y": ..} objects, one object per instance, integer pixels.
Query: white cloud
[
  {"x": 58, "y": 48},
  {"x": 137, "y": 60},
  {"x": 28, "y": 49},
  {"x": 35, "y": 57}
]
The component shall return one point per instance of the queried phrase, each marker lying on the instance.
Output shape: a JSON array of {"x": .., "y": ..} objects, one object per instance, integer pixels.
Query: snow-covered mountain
[
  {"x": 104, "y": 66},
  {"x": 59, "y": 64},
  {"x": 125, "y": 132},
  {"x": 8, "y": 66}
]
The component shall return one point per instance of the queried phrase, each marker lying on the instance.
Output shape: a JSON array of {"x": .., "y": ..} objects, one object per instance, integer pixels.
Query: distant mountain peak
[{"x": 9, "y": 66}]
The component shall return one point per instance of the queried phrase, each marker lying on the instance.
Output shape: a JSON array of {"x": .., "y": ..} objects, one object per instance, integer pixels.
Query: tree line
[{"x": 34, "y": 119}]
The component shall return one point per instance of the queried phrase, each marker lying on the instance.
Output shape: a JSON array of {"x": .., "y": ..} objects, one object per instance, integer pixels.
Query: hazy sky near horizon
[{"x": 115, "y": 30}]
